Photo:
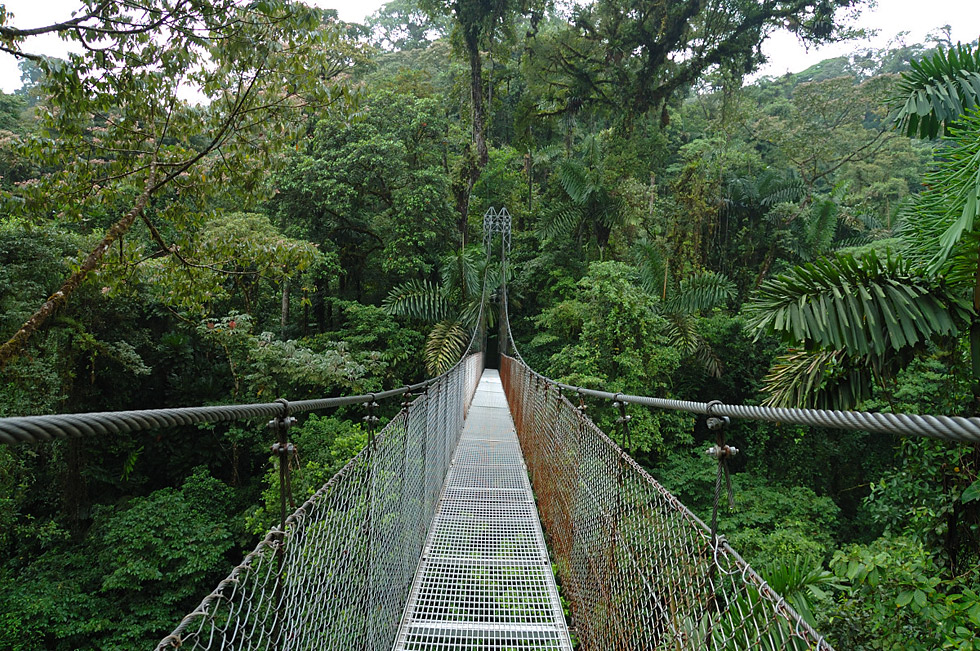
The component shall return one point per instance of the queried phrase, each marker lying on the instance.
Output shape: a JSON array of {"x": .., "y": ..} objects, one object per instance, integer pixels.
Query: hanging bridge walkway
[
  {"x": 485, "y": 578},
  {"x": 429, "y": 539}
]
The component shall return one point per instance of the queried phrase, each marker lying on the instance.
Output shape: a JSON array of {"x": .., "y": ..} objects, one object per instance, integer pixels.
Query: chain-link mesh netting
[
  {"x": 639, "y": 569},
  {"x": 339, "y": 576}
]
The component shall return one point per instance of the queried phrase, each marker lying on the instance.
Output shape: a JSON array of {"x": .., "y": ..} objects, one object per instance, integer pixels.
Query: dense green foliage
[{"x": 309, "y": 230}]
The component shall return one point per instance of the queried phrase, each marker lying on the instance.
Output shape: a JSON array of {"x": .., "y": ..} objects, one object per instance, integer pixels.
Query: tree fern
[
  {"x": 443, "y": 347},
  {"x": 701, "y": 292},
  {"x": 420, "y": 300},
  {"x": 861, "y": 306}
]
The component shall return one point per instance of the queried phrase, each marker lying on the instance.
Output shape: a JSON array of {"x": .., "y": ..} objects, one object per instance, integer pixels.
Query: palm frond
[
  {"x": 682, "y": 332},
  {"x": 774, "y": 188},
  {"x": 706, "y": 357},
  {"x": 651, "y": 261},
  {"x": 574, "y": 179},
  {"x": 470, "y": 314},
  {"x": 420, "y": 300},
  {"x": 937, "y": 92},
  {"x": 950, "y": 205},
  {"x": 864, "y": 306},
  {"x": 821, "y": 226},
  {"x": 443, "y": 347},
  {"x": 822, "y": 379},
  {"x": 561, "y": 220},
  {"x": 461, "y": 272},
  {"x": 800, "y": 581},
  {"x": 700, "y": 293}
]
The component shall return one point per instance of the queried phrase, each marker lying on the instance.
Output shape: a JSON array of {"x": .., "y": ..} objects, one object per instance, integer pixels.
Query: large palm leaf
[
  {"x": 821, "y": 379},
  {"x": 445, "y": 344},
  {"x": 949, "y": 207},
  {"x": 417, "y": 299},
  {"x": 651, "y": 261},
  {"x": 701, "y": 292},
  {"x": 461, "y": 272},
  {"x": 937, "y": 91},
  {"x": 862, "y": 306}
]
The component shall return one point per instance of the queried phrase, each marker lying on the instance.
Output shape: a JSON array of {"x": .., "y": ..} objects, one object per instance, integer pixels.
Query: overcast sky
[{"x": 784, "y": 51}]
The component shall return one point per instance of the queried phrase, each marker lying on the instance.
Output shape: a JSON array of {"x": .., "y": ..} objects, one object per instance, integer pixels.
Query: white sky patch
[{"x": 785, "y": 52}]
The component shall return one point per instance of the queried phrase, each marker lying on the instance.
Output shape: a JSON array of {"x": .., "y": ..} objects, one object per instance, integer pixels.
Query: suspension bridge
[{"x": 489, "y": 513}]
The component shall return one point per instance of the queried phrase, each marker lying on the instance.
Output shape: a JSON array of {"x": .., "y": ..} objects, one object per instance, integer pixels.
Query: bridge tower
[{"x": 494, "y": 222}]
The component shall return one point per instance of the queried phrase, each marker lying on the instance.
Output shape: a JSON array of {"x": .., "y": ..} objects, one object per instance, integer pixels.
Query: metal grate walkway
[{"x": 485, "y": 579}]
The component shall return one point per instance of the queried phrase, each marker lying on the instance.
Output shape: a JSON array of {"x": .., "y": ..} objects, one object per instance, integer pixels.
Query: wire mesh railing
[
  {"x": 639, "y": 569},
  {"x": 341, "y": 569}
]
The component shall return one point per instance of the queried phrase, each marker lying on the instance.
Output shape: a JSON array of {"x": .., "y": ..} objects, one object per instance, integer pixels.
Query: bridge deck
[{"x": 485, "y": 579}]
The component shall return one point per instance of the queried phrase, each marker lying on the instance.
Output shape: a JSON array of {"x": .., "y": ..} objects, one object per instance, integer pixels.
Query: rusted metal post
[{"x": 284, "y": 451}]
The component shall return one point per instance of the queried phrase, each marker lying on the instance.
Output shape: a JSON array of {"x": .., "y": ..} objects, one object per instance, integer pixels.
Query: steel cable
[{"x": 949, "y": 428}]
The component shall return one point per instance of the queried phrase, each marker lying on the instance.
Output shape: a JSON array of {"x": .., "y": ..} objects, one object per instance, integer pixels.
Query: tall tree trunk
[
  {"x": 284, "y": 319},
  {"x": 60, "y": 298},
  {"x": 472, "y": 166},
  {"x": 472, "y": 39}
]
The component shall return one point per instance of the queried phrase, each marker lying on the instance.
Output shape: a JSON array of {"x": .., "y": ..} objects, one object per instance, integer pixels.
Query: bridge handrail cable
[{"x": 950, "y": 428}]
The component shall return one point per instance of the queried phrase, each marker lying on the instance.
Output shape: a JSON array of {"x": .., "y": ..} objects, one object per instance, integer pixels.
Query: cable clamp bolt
[
  {"x": 284, "y": 422},
  {"x": 407, "y": 398},
  {"x": 722, "y": 451},
  {"x": 283, "y": 449},
  {"x": 370, "y": 405},
  {"x": 716, "y": 423}
]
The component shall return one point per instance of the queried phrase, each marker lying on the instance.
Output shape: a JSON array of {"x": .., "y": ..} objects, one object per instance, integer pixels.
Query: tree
[
  {"x": 633, "y": 57},
  {"x": 404, "y": 25},
  {"x": 942, "y": 94},
  {"x": 855, "y": 319},
  {"x": 476, "y": 24},
  {"x": 595, "y": 201},
  {"x": 116, "y": 133},
  {"x": 453, "y": 307}
]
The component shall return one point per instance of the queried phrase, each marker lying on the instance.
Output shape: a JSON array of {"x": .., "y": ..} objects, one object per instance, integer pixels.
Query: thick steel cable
[
  {"x": 949, "y": 428},
  {"x": 31, "y": 429}
]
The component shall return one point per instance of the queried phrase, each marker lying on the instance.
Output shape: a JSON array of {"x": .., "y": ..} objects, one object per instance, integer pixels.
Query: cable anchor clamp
[{"x": 722, "y": 451}]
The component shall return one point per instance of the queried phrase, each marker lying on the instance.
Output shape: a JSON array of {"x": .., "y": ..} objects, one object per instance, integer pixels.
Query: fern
[
  {"x": 862, "y": 306},
  {"x": 420, "y": 300},
  {"x": 444, "y": 346},
  {"x": 701, "y": 293}
]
